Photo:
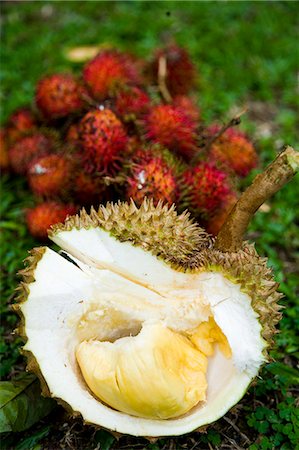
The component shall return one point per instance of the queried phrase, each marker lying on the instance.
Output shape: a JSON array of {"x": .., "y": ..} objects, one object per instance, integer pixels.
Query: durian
[{"x": 143, "y": 323}]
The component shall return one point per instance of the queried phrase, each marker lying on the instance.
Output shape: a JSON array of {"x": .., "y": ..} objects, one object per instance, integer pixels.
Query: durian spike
[{"x": 266, "y": 184}]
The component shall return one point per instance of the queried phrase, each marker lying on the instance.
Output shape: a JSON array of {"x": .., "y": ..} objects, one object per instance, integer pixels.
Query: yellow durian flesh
[{"x": 157, "y": 374}]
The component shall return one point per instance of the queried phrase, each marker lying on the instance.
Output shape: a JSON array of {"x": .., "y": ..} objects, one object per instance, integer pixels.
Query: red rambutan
[
  {"x": 20, "y": 122},
  {"x": 72, "y": 136},
  {"x": 204, "y": 188},
  {"x": 22, "y": 152},
  {"x": 50, "y": 175},
  {"x": 4, "y": 160},
  {"x": 88, "y": 188},
  {"x": 234, "y": 150},
  {"x": 152, "y": 174},
  {"x": 180, "y": 71},
  {"x": 172, "y": 128},
  {"x": 215, "y": 222},
  {"x": 41, "y": 217},
  {"x": 109, "y": 71},
  {"x": 131, "y": 103},
  {"x": 188, "y": 106},
  {"x": 59, "y": 95},
  {"x": 102, "y": 138}
]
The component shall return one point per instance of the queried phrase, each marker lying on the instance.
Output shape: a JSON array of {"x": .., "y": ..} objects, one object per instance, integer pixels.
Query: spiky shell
[
  {"x": 4, "y": 160},
  {"x": 131, "y": 103},
  {"x": 186, "y": 248},
  {"x": 153, "y": 173},
  {"x": 51, "y": 175},
  {"x": 103, "y": 138},
  {"x": 59, "y": 95},
  {"x": 217, "y": 219},
  {"x": 172, "y": 128},
  {"x": 180, "y": 75},
  {"x": 204, "y": 188},
  {"x": 187, "y": 105},
  {"x": 22, "y": 121},
  {"x": 42, "y": 216},
  {"x": 22, "y": 152},
  {"x": 109, "y": 71},
  {"x": 234, "y": 150}
]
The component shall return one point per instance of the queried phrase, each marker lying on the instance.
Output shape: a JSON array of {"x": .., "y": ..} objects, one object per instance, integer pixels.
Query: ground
[{"x": 246, "y": 56}]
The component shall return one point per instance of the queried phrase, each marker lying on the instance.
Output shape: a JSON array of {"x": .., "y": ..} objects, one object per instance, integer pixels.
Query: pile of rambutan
[{"x": 124, "y": 129}]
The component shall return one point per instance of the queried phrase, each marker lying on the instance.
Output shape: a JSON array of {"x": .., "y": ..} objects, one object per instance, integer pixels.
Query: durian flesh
[{"x": 185, "y": 344}]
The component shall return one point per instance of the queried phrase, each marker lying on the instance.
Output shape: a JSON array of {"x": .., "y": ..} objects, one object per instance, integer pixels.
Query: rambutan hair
[
  {"x": 59, "y": 95},
  {"x": 110, "y": 71},
  {"x": 173, "y": 128},
  {"x": 22, "y": 152},
  {"x": 40, "y": 218},
  {"x": 204, "y": 188},
  {"x": 180, "y": 71},
  {"x": 102, "y": 138}
]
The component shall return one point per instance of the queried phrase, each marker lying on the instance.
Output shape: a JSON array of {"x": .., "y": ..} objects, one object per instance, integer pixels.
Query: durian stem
[
  {"x": 162, "y": 72},
  {"x": 266, "y": 184}
]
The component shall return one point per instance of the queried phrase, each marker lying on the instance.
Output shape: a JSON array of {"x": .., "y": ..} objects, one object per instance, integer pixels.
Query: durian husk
[{"x": 178, "y": 241}]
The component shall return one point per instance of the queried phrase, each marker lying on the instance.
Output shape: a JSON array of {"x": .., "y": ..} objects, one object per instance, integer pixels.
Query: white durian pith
[{"x": 115, "y": 289}]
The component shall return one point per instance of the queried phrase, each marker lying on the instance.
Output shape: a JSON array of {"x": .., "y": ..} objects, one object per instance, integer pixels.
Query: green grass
[{"x": 245, "y": 53}]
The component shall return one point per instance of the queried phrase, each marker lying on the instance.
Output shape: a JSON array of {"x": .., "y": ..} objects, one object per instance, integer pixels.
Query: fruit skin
[
  {"x": 181, "y": 243},
  {"x": 109, "y": 71},
  {"x": 188, "y": 106},
  {"x": 22, "y": 152},
  {"x": 22, "y": 121},
  {"x": 59, "y": 95},
  {"x": 234, "y": 151},
  {"x": 131, "y": 103},
  {"x": 50, "y": 175},
  {"x": 103, "y": 138},
  {"x": 153, "y": 175},
  {"x": 41, "y": 217},
  {"x": 4, "y": 159},
  {"x": 204, "y": 188},
  {"x": 175, "y": 240},
  {"x": 173, "y": 128},
  {"x": 72, "y": 135},
  {"x": 181, "y": 74},
  {"x": 215, "y": 222}
]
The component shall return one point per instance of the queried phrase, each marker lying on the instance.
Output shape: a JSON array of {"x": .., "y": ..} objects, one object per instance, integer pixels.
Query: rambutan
[
  {"x": 215, "y": 222},
  {"x": 152, "y": 174},
  {"x": 234, "y": 151},
  {"x": 59, "y": 95},
  {"x": 50, "y": 175},
  {"x": 173, "y": 128},
  {"x": 188, "y": 106},
  {"x": 21, "y": 122},
  {"x": 109, "y": 71},
  {"x": 72, "y": 136},
  {"x": 4, "y": 160},
  {"x": 180, "y": 71},
  {"x": 131, "y": 103},
  {"x": 102, "y": 138},
  {"x": 22, "y": 152},
  {"x": 88, "y": 188},
  {"x": 41, "y": 217},
  {"x": 204, "y": 188}
]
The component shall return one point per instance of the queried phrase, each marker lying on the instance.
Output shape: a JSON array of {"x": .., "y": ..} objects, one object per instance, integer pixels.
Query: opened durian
[{"x": 141, "y": 324}]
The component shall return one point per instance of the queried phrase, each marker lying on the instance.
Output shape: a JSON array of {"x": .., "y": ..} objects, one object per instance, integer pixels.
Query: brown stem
[
  {"x": 274, "y": 177},
  {"x": 162, "y": 72},
  {"x": 232, "y": 123}
]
